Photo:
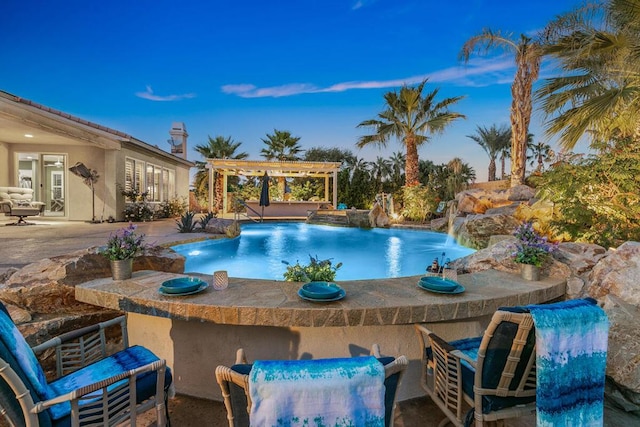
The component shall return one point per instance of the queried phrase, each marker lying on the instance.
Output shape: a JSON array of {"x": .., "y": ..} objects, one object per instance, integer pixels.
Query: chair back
[
  {"x": 234, "y": 384},
  {"x": 22, "y": 372},
  {"x": 505, "y": 374}
]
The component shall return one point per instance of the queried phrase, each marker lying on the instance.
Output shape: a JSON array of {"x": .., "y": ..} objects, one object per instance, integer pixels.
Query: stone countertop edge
[{"x": 256, "y": 302}]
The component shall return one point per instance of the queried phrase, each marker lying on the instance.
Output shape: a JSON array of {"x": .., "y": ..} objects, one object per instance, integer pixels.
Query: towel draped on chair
[
  {"x": 571, "y": 356},
  {"x": 336, "y": 392}
]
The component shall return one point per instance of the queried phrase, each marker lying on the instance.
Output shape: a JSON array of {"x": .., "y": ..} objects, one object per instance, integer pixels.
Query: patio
[{"x": 49, "y": 238}]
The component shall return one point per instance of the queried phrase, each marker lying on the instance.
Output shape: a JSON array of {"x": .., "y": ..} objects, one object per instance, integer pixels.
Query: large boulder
[
  {"x": 476, "y": 230},
  {"x": 48, "y": 286},
  {"x": 377, "y": 216},
  {"x": 520, "y": 193},
  {"x": 227, "y": 227},
  {"x": 618, "y": 274}
]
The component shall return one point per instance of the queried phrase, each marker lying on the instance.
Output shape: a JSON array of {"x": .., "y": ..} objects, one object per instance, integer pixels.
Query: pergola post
[
  {"x": 225, "y": 208},
  {"x": 335, "y": 189},
  {"x": 210, "y": 169}
]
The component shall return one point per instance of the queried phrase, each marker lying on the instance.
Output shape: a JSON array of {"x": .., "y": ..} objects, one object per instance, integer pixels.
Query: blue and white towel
[
  {"x": 571, "y": 358},
  {"x": 323, "y": 392}
]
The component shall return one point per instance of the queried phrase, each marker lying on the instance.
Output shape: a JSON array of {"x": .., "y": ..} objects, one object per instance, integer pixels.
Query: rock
[
  {"x": 47, "y": 286},
  {"x": 580, "y": 257},
  {"x": 623, "y": 354},
  {"x": 575, "y": 287},
  {"x": 618, "y": 274},
  {"x": 508, "y": 209},
  {"x": 377, "y": 216},
  {"x": 520, "y": 193},
  {"x": 219, "y": 225},
  {"x": 440, "y": 224},
  {"x": 499, "y": 238},
  {"x": 18, "y": 315},
  {"x": 470, "y": 204},
  {"x": 6, "y": 273},
  {"x": 476, "y": 230},
  {"x": 500, "y": 257}
]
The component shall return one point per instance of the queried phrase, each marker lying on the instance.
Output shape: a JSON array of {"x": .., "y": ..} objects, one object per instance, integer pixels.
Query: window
[{"x": 159, "y": 183}]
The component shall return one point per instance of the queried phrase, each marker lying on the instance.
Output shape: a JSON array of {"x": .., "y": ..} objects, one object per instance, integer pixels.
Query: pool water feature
[{"x": 259, "y": 251}]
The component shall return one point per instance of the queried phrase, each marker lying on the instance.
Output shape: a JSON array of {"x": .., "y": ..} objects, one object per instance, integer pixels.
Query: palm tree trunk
[
  {"x": 521, "y": 108},
  {"x": 492, "y": 169},
  {"x": 502, "y": 172},
  {"x": 412, "y": 172},
  {"x": 219, "y": 193}
]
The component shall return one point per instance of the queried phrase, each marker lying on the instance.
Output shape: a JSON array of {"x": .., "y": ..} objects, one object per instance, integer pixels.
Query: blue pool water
[{"x": 364, "y": 253}]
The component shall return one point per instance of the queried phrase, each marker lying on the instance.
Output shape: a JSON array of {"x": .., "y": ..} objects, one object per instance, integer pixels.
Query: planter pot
[
  {"x": 530, "y": 272},
  {"x": 121, "y": 269}
]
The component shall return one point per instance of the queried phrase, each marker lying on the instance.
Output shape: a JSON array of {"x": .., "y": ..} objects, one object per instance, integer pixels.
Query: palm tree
[
  {"x": 398, "y": 161},
  {"x": 380, "y": 171},
  {"x": 283, "y": 147},
  {"x": 216, "y": 148},
  {"x": 505, "y": 154},
  {"x": 539, "y": 153},
  {"x": 598, "y": 48},
  {"x": 411, "y": 118},
  {"x": 493, "y": 140},
  {"x": 528, "y": 54}
]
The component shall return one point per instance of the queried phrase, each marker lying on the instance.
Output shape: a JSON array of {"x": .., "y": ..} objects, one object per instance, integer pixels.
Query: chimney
[{"x": 178, "y": 139}]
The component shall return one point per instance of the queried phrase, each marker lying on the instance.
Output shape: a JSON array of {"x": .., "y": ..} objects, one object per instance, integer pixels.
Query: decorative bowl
[
  {"x": 320, "y": 290},
  {"x": 181, "y": 285},
  {"x": 438, "y": 283}
]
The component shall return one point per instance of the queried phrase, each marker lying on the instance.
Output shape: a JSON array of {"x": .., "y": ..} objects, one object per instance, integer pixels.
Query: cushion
[{"x": 125, "y": 360}]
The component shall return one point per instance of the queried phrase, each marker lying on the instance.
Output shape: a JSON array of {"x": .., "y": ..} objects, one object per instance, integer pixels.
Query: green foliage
[
  {"x": 172, "y": 208},
  {"x": 124, "y": 244},
  {"x": 316, "y": 270},
  {"x": 418, "y": 202},
  {"x": 205, "y": 220},
  {"x": 306, "y": 190},
  {"x": 138, "y": 208},
  {"x": 186, "y": 223},
  {"x": 596, "y": 198}
]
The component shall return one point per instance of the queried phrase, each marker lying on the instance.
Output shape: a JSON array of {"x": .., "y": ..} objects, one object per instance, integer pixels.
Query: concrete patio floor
[{"x": 22, "y": 245}]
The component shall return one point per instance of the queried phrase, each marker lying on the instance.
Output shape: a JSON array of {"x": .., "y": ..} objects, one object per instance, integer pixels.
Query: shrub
[
  {"x": 532, "y": 248},
  {"x": 172, "y": 208},
  {"x": 418, "y": 202},
  {"x": 205, "y": 220},
  {"x": 186, "y": 223},
  {"x": 316, "y": 270}
]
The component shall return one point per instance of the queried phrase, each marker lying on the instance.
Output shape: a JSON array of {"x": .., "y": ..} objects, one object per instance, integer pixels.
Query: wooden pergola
[{"x": 229, "y": 167}]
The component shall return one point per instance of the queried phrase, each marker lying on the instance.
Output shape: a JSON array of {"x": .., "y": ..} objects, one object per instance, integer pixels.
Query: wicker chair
[
  {"x": 92, "y": 389},
  {"x": 234, "y": 383},
  {"x": 499, "y": 383}
]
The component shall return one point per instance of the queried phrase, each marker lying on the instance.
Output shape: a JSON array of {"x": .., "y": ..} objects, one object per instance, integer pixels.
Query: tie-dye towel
[
  {"x": 323, "y": 392},
  {"x": 571, "y": 346}
]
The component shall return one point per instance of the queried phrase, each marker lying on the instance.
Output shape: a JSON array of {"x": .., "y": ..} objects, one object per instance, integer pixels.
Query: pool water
[{"x": 259, "y": 251}]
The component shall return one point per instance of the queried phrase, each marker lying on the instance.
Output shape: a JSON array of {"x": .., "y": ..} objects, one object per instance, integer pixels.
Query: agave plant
[
  {"x": 186, "y": 223},
  {"x": 205, "y": 220}
]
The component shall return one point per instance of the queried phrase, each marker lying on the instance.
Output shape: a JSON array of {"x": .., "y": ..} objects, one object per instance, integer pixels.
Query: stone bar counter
[{"x": 195, "y": 333}]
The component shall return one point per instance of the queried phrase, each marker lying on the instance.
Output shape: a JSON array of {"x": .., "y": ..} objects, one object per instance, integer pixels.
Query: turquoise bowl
[
  {"x": 181, "y": 285},
  {"x": 320, "y": 290},
  {"x": 438, "y": 283}
]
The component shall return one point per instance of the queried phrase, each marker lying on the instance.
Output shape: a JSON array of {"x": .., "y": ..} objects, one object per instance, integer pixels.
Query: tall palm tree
[
  {"x": 528, "y": 53},
  {"x": 411, "y": 118},
  {"x": 283, "y": 147},
  {"x": 505, "y": 154},
  {"x": 216, "y": 148},
  {"x": 493, "y": 140},
  {"x": 598, "y": 48},
  {"x": 539, "y": 153}
]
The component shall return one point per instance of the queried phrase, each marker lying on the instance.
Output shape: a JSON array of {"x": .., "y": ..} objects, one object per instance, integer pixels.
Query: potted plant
[
  {"x": 315, "y": 271},
  {"x": 532, "y": 250},
  {"x": 122, "y": 247}
]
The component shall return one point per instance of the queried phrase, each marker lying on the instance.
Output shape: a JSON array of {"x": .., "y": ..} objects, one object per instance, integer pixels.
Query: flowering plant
[
  {"x": 532, "y": 248},
  {"x": 124, "y": 244}
]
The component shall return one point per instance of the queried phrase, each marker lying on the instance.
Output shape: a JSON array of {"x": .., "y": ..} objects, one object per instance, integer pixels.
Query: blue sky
[{"x": 316, "y": 68}]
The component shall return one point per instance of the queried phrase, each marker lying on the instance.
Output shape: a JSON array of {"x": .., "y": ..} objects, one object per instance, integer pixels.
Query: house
[{"x": 46, "y": 150}]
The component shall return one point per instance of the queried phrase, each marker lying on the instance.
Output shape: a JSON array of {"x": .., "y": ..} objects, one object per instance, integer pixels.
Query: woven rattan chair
[
  {"x": 234, "y": 383},
  {"x": 498, "y": 383},
  {"x": 92, "y": 388}
]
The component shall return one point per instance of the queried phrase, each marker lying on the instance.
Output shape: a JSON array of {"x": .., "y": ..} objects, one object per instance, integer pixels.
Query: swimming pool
[{"x": 364, "y": 253}]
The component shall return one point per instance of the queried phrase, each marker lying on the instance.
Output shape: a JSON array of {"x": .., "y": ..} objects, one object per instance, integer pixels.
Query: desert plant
[
  {"x": 202, "y": 223},
  {"x": 186, "y": 223},
  {"x": 316, "y": 270}
]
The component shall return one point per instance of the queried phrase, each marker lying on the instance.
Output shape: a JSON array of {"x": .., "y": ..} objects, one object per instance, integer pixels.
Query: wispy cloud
[
  {"x": 477, "y": 73},
  {"x": 359, "y": 4},
  {"x": 148, "y": 94}
]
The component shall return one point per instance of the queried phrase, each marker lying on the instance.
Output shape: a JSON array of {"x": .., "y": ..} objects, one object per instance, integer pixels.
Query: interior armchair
[
  {"x": 234, "y": 383},
  {"x": 18, "y": 202},
  {"x": 91, "y": 388}
]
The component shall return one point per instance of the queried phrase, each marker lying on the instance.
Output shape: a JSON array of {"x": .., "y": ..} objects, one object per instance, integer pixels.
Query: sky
[{"x": 241, "y": 69}]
